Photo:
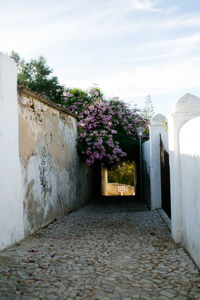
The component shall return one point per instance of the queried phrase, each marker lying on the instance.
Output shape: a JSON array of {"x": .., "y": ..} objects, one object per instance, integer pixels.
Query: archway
[{"x": 120, "y": 180}]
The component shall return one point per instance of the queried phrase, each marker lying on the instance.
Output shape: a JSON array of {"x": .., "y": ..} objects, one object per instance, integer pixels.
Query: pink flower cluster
[
  {"x": 96, "y": 135},
  {"x": 99, "y": 125}
]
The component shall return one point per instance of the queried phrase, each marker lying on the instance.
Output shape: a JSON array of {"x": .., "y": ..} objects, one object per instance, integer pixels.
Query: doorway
[{"x": 119, "y": 180}]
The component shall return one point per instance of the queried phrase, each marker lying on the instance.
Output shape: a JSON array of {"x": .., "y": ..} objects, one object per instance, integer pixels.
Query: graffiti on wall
[{"x": 43, "y": 170}]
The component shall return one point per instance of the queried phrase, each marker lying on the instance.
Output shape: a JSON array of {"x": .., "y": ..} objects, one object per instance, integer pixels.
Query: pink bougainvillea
[{"x": 104, "y": 126}]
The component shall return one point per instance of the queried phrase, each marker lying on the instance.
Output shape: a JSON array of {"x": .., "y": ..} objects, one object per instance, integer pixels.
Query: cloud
[
  {"x": 183, "y": 20},
  {"x": 131, "y": 48},
  {"x": 172, "y": 48},
  {"x": 75, "y": 20},
  {"x": 149, "y": 79},
  {"x": 148, "y": 5},
  {"x": 155, "y": 79},
  {"x": 68, "y": 22}
]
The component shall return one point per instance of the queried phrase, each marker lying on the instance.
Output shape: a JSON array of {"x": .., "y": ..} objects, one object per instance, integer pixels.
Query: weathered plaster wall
[
  {"x": 11, "y": 204},
  {"x": 49, "y": 160},
  {"x": 42, "y": 176}
]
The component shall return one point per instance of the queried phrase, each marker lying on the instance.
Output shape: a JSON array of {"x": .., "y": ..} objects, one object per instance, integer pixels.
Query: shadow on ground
[{"x": 120, "y": 203}]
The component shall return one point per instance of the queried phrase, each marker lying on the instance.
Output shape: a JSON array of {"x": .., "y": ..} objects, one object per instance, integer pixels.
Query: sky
[{"x": 130, "y": 48}]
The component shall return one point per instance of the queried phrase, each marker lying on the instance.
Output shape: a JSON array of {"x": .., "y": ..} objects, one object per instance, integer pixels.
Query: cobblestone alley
[{"x": 113, "y": 251}]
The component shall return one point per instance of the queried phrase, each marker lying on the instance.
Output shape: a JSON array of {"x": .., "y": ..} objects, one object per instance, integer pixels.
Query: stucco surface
[
  {"x": 190, "y": 183},
  {"x": 157, "y": 128},
  {"x": 184, "y": 110},
  {"x": 49, "y": 160},
  {"x": 42, "y": 175},
  {"x": 11, "y": 204}
]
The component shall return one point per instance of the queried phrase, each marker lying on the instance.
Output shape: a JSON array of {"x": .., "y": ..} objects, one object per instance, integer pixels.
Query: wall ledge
[
  {"x": 158, "y": 120},
  {"x": 186, "y": 104},
  {"x": 30, "y": 93}
]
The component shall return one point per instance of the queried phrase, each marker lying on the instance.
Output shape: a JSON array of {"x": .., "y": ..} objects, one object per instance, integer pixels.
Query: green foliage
[
  {"x": 122, "y": 173},
  {"x": 129, "y": 144},
  {"x": 79, "y": 93},
  {"x": 37, "y": 75}
]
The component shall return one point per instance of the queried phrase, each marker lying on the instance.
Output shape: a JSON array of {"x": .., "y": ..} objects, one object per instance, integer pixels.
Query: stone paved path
[{"x": 100, "y": 252}]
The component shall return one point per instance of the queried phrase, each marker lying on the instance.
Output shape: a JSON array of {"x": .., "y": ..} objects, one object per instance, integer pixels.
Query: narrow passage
[{"x": 101, "y": 251}]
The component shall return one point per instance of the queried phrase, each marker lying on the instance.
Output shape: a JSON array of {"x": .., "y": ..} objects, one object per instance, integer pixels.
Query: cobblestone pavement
[{"x": 118, "y": 251}]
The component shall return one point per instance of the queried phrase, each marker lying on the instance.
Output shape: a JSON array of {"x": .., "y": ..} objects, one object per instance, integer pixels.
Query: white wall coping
[{"x": 186, "y": 104}]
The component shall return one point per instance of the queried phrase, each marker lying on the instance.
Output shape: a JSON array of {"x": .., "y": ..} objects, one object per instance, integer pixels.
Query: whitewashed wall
[
  {"x": 11, "y": 203},
  {"x": 190, "y": 183},
  {"x": 184, "y": 153},
  {"x": 157, "y": 128}
]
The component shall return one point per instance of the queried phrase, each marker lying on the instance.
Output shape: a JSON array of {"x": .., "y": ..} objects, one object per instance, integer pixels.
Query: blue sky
[{"x": 130, "y": 48}]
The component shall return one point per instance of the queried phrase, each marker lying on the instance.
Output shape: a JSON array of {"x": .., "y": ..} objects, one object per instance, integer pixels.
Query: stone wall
[{"x": 54, "y": 178}]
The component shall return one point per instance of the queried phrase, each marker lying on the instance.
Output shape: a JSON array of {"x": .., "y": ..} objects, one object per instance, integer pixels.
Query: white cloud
[
  {"x": 180, "y": 21},
  {"x": 130, "y": 47},
  {"x": 179, "y": 47},
  {"x": 73, "y": 21},
  {"x": 150, "y": 79},
  {"x": 155, "y": 79},
  {"x": 145, "y": 5}
]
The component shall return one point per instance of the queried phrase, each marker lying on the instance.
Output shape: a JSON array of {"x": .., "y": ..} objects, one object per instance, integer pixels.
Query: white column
[
  {"x": 157, "y": 127},
  {"x": 11, "y": 203},
  {"x": 186, "y": 108}
]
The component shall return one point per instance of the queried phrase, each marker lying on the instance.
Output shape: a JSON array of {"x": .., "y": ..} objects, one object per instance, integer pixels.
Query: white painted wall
[
  {"x": 185, "y": 109},
  {"x": 190, "y": 185},
  {"x": 157, "y": 127},
  {"x": 11, "y": 204}
]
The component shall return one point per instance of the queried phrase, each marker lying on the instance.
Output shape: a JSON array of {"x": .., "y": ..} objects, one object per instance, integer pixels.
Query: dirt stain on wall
[{"x": 47, "y": 144}]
